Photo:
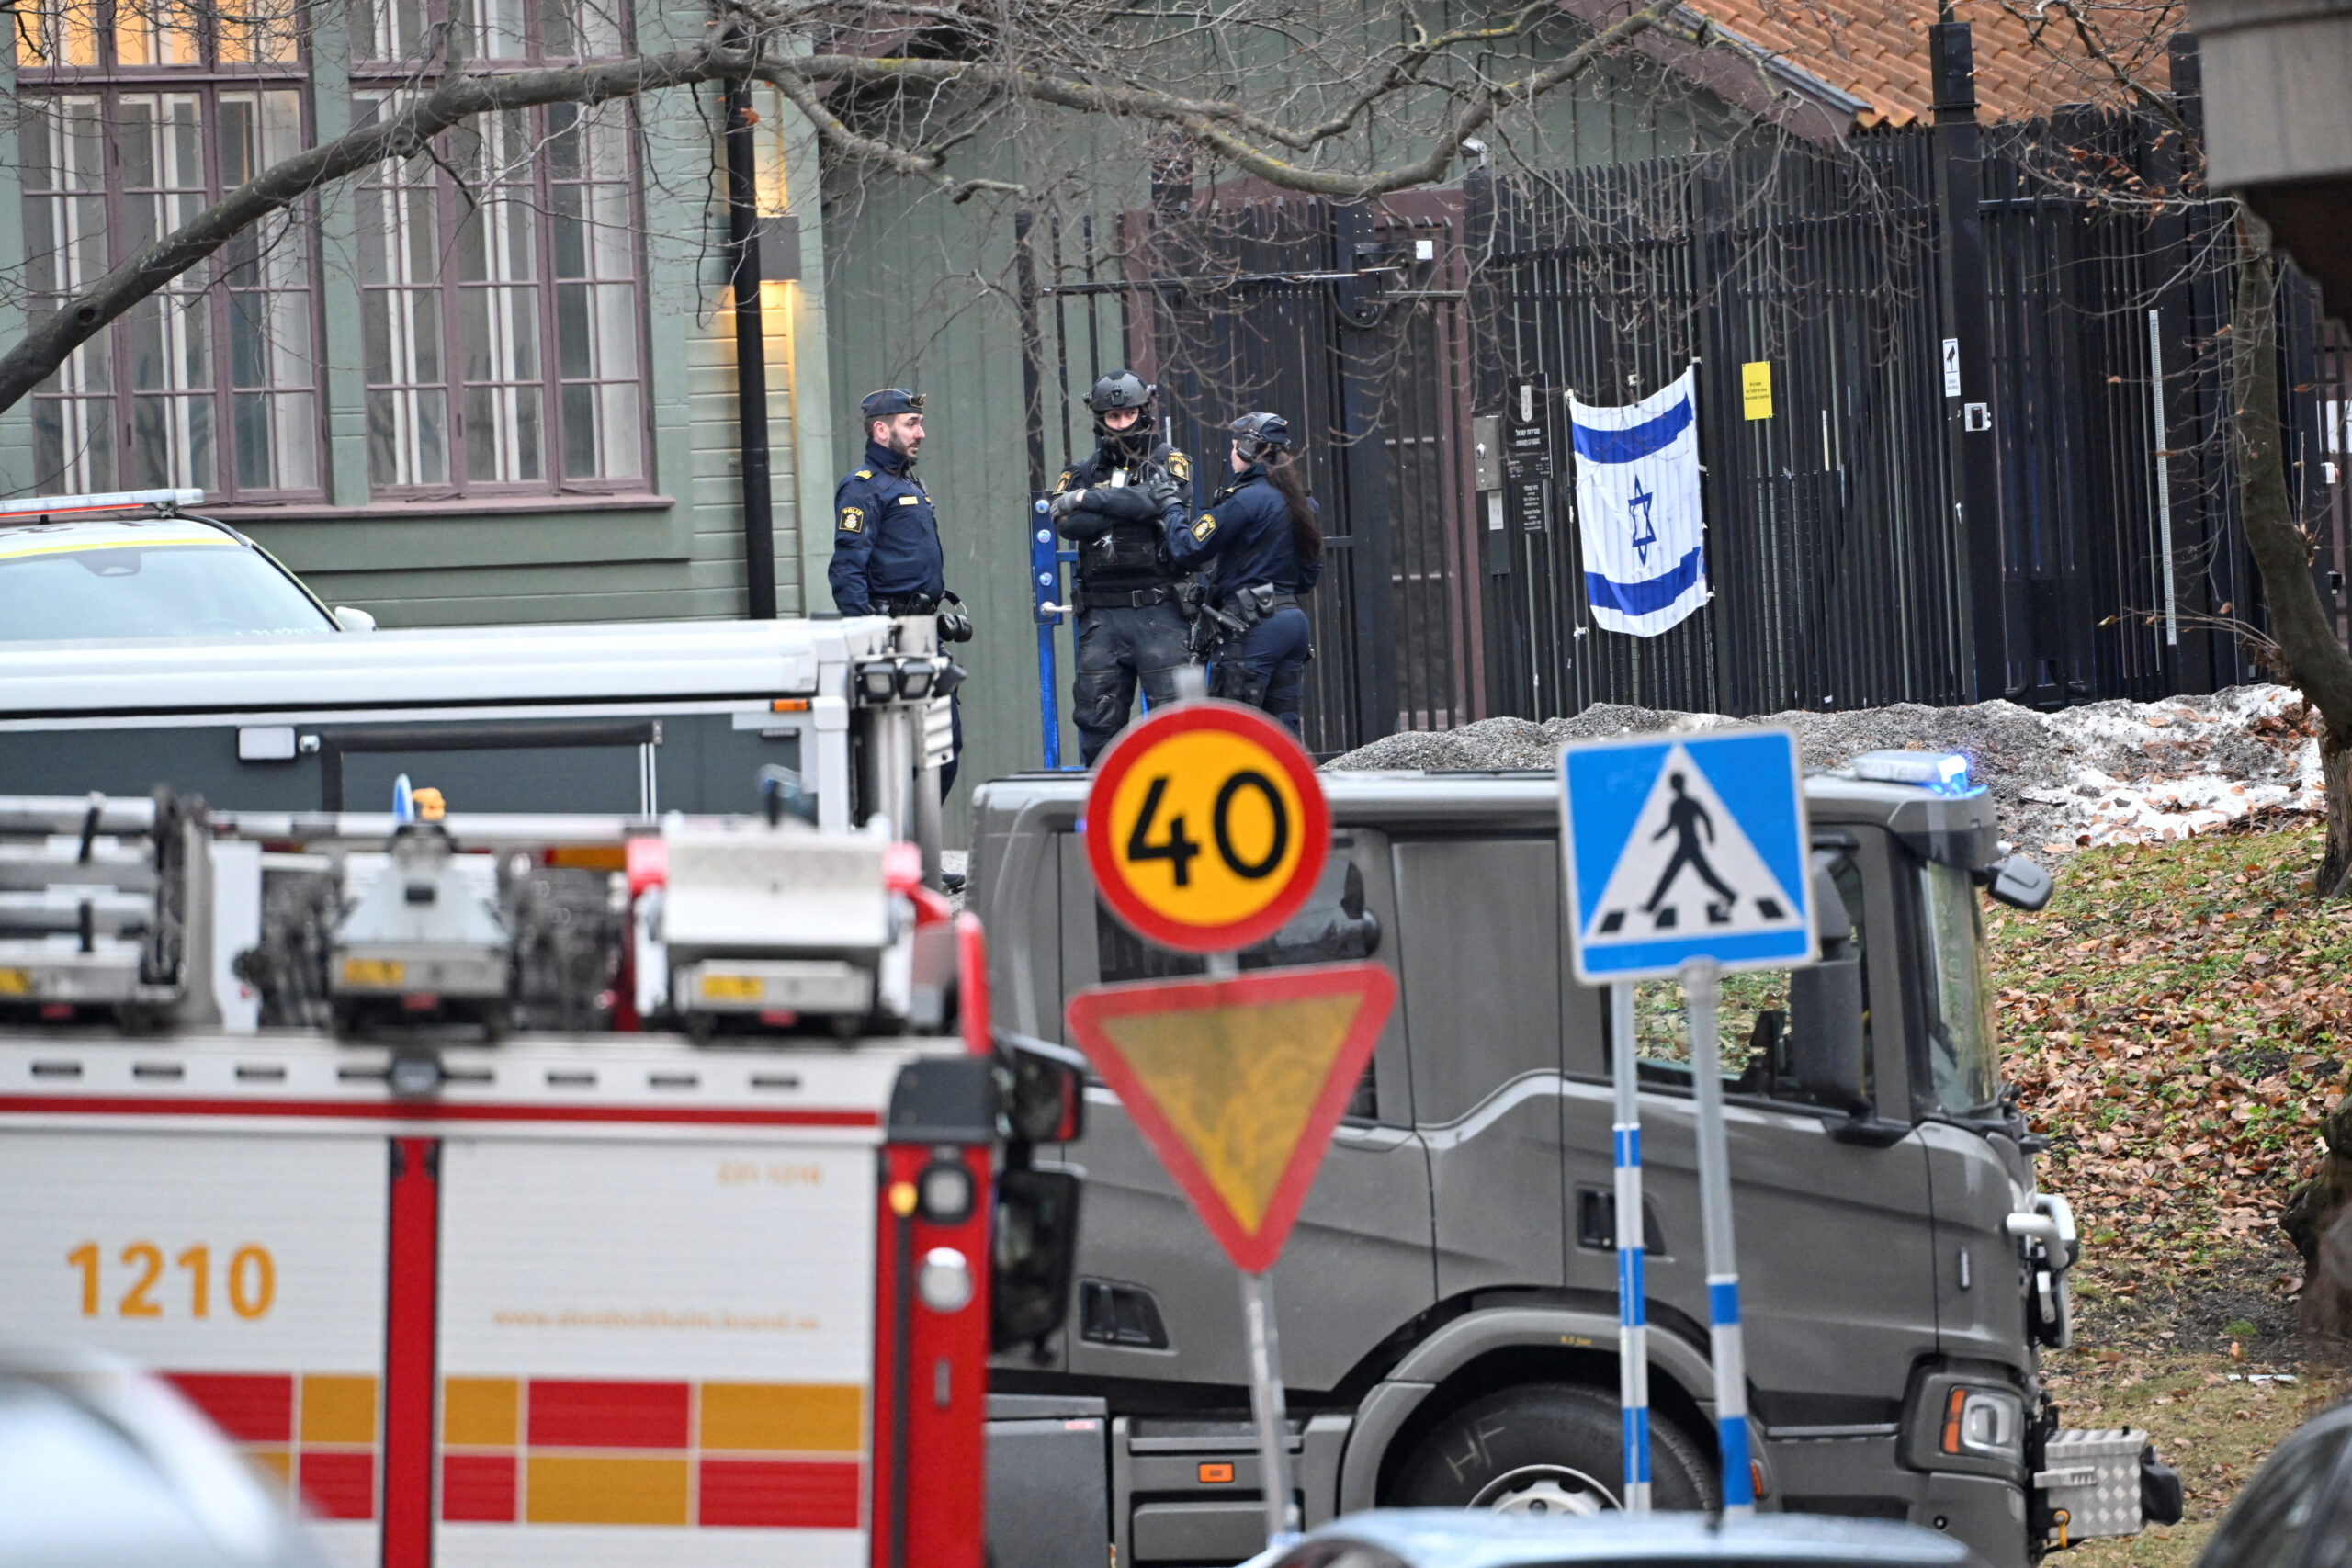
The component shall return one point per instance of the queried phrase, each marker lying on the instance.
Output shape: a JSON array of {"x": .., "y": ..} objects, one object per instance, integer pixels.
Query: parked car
[
  {"x": 1450, "y": 1538},
  {"x": 102, "y": 1466},
  {"x": 2297, "y": 1511},
  {"x": 150, "y": 577}
]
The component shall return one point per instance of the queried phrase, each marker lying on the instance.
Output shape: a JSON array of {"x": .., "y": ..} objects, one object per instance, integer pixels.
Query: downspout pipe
[{"x": 751, "y": 349}]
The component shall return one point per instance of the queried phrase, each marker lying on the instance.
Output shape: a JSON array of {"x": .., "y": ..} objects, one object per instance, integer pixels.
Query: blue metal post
[
  {"x": 1703, "y": 991},
  {"x": 1632, "y": 1311},
  {"x": 1045, "y": 581}
]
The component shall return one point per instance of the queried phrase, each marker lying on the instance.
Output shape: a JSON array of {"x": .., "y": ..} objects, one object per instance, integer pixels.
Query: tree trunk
[{"x": 2319, "y": 664}]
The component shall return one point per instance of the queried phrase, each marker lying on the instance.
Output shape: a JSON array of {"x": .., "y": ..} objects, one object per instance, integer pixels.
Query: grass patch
[{"x": 2179, "y": 1020}]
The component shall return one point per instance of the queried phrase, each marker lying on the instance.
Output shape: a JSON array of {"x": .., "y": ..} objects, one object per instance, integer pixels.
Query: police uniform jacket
[
  {"x": 885, "y": 538},
  {"x": 1122, "y": 531},
  {"x": 1245, "y": 533}
]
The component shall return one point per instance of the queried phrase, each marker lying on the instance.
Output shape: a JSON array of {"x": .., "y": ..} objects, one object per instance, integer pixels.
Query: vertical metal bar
[
  {"x": 1632, "y": 1288},
  {"x": 1976, "y": 477},
  {"x": 1266, "y": 1406},
  {"x": 1703, "y": 991},
  {"x": 2163, "y": 473},
  {"x": 751, "y": 353}
]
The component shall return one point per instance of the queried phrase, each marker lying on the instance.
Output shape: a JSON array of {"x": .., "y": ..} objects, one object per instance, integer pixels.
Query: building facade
[{"x": 495, "y": 382}]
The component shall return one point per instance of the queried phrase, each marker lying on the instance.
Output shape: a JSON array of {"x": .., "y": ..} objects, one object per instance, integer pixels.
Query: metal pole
[
  {"x": 1265, "y": 1365},
  {"x": 751, "y": 352},
  {"x": 1633, "y": 1312},
  {"x": 2164, "y": 472},
  {"x": 1044, "y": 585},
  {"x": 1266, "y": 1404},
  {"x": 1702, "y": 988}
]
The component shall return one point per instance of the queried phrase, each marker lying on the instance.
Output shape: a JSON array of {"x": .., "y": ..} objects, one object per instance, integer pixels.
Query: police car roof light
[{"x": 1945, "y": 772}]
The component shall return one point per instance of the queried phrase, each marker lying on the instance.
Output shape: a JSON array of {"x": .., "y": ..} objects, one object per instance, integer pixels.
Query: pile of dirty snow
[{"x": 2110, "y": 772}]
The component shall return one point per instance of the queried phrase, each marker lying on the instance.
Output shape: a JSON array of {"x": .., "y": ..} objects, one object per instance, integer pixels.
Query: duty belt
[
  {"x": 1260, "y": 605},
  {"x": 909, "y": 604},
  {"x": 1123, "y": 598}
]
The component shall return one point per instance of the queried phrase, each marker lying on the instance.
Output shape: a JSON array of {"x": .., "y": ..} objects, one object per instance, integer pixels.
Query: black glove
[
  {"x": 1123, "y": 504},
  {"x": 1065, "y": 503},
  {"x": 955, "y": 625}
]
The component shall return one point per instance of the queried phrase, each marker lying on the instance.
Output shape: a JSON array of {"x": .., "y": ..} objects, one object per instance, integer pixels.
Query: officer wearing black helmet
[
  {"x": 887, "y": 555},
  {"x": 1263, "y": 539},
  {"x": 1119, "y": 506}
]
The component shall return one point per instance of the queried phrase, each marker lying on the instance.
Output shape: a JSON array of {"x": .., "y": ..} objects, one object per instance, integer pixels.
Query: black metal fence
[
  {"x": 1836, "y": 567},
  {"x": 1843, "y": 565}
]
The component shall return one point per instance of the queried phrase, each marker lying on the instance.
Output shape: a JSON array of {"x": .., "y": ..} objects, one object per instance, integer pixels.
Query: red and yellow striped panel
[
  {"x": 575, "y": 1452},
  {"x": 315, "y": 1431}
]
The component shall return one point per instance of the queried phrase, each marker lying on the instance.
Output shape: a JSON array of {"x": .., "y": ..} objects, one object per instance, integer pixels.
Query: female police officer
[{"x": 1261, "y": 538}]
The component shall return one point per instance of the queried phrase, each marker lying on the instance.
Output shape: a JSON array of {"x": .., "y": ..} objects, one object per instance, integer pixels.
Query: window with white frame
[
  {"x": 133, "y": 117},
  {"x": 502, "y": 313}
]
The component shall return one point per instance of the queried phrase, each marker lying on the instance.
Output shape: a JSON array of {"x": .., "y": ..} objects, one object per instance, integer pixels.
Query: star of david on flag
[{"x": 1637, "y": 508}]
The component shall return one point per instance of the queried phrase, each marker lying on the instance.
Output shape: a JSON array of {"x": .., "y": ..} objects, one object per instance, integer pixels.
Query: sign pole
[
  {"x": 1633, "y": 1312},
  {"x": 1265, "y": 1360},
  {"x": 1701, "y": 988}
]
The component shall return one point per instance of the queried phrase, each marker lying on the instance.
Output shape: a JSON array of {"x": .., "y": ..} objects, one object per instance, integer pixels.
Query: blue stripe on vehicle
[{"x": 1634, "y": 441}]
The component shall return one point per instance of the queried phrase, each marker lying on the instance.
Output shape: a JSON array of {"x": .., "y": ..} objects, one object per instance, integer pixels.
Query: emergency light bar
[
  {"x": 164, "y": 500},
  {"x": 1946, "y": 773}
]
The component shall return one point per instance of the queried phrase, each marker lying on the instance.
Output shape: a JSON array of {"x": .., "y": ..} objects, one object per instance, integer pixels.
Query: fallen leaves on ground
[{"x": 2177, "y": 1021}]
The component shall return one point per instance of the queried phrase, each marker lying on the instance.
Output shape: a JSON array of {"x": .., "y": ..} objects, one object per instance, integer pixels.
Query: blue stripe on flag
[
  {"x": 1638, "y": 441},
  {"x": 1650, "y": 593},
  {"x": 1723, "y": 1302},
  {"x": 1633, "y": 1306},
  {"x": 1629, "y": 1145}
]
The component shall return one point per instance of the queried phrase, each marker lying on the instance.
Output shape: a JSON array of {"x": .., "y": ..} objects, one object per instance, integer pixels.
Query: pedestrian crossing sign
[{"x": 1685, "y": 847}]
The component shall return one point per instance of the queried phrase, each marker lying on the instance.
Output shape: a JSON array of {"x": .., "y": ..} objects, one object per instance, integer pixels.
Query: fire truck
[{"x": 531, "y": 1189}]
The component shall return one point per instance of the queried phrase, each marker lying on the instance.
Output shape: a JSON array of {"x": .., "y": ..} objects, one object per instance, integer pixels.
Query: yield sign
[{"x": 1237, "y": 1083}]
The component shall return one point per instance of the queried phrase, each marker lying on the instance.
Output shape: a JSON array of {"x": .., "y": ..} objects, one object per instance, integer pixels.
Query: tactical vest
[{"x": 1131, "y": 554}]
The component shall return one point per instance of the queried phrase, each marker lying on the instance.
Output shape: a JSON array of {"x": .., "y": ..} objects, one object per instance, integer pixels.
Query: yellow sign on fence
[{"x": 1756, "y": 389}]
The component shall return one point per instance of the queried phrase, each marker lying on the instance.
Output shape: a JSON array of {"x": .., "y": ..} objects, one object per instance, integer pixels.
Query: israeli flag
[{"x": 1637, "y": 507}]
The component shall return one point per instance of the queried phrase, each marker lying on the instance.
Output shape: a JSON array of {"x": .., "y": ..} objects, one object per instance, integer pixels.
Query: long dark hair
[{"x": 1305, "y": 535}]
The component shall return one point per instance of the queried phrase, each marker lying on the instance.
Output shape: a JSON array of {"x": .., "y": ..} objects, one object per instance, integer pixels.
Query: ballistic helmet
[
  {"x": 889, "y": 402},
  {"x": 1125, "y": 389},
  {"x": 1257, "y": 433},
  {"x": 1120, "y": 390}
]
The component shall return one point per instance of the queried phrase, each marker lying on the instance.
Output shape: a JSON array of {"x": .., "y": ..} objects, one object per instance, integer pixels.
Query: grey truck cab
[{"x": 1447, "y": 1303}]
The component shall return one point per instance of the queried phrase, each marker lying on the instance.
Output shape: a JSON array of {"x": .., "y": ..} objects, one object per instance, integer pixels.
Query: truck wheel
[{"x": 1546, "y": 1449}]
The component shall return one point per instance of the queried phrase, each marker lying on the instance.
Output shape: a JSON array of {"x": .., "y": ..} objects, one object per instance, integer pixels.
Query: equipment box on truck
[{"x": 542, "y": 1297}]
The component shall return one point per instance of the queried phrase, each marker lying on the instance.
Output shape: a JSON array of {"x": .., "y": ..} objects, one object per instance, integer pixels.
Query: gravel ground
[{"x": 2108, "y": 773}]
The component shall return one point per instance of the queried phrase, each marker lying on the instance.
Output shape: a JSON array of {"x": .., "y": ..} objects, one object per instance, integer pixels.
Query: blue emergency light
[{"x": 1943, "y": 773}]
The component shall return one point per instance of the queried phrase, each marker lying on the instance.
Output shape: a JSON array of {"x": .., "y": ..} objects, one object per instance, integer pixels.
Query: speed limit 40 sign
[{"x": 1206, "y": 827}]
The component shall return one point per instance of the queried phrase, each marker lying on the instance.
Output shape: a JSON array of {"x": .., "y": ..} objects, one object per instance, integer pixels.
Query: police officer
[
  {"x": 887, "y": 557},
  {"x": 1120, "y": 506},
  {"x": 1263, "y": 537}
]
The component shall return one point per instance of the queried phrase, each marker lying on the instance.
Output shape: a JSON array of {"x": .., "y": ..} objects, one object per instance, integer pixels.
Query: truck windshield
[
  {"x": 176, "y": 590},
  {"x": 1963, "y": 1051}
]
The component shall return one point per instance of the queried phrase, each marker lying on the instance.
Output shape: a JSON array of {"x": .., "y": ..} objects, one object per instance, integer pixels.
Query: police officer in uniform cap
[
  {"x": 1119, "y": 506},
  {"x": 887, "y": 557},
  {"x": 1262, "y": 538}
]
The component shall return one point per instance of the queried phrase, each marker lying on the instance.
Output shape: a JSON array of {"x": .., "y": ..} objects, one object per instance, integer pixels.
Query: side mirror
[
  {"x": 353, "y": 620},
  {"x": 1825, "y": 1042},
  {"x": 2019, "y": 884},
  {"x": 1035, "y": 1253},
  {"x": 1041, "y": 1089}
]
